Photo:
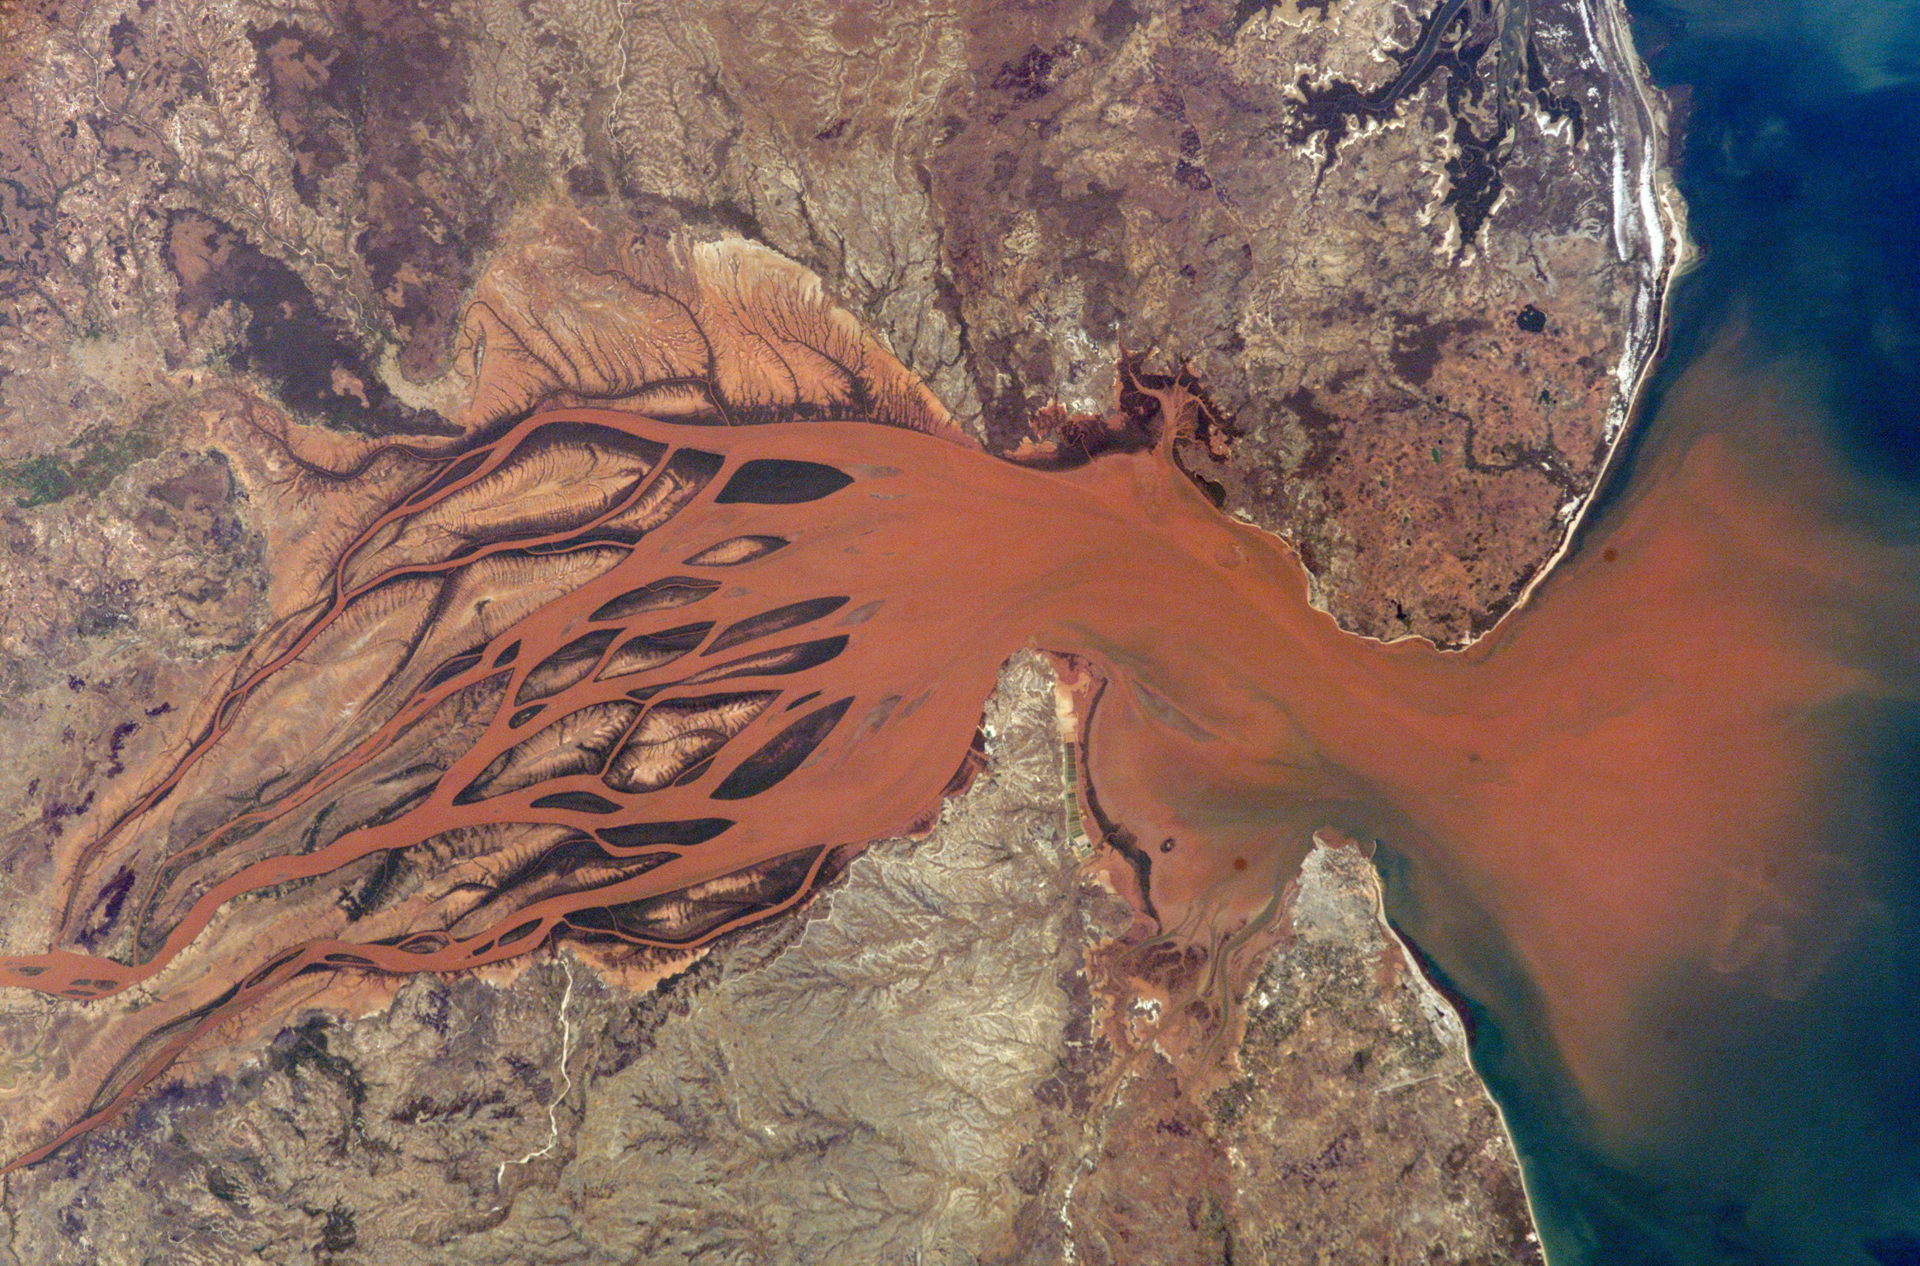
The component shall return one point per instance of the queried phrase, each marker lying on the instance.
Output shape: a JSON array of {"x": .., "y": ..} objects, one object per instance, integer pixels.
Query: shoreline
[{"x": 1649, "y": 222}]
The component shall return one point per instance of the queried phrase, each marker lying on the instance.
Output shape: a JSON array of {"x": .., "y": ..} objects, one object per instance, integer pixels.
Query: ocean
[{"x": 1767, "y": 1109}]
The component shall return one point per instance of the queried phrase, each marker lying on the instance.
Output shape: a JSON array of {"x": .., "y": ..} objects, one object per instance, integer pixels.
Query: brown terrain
[
  {"x": 386, "y": 380},
  {"x": 925, "y": 1065}
]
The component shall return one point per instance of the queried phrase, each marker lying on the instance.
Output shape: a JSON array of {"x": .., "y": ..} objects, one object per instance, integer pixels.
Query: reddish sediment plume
[{"x": 631, "y": 681}]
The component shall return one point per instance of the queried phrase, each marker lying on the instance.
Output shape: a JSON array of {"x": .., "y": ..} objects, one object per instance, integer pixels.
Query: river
[{"x": 609, "y": 677}]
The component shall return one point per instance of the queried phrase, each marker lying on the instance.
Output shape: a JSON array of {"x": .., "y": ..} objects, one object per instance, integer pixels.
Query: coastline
[{"x": 1649, "y": 223}]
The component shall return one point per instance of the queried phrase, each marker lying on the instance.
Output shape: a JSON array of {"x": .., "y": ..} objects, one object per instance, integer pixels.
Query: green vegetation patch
[{"x": 87, "y": 465}]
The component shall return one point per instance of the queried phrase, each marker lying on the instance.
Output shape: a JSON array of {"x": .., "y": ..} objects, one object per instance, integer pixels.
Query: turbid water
[
  {"x": 1764, "y": 1113},
  {"x": 621, "y": 678},
  {"x": 613, "y": 677}
]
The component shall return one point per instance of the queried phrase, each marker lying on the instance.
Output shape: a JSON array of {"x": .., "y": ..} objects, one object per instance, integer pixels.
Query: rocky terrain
[
  {"x": 937, "y": 1064},
  {"x": 1416, "y": 271}
]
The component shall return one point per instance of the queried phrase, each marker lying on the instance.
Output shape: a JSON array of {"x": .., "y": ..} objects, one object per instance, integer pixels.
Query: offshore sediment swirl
[{"x": 638, "y": 676}]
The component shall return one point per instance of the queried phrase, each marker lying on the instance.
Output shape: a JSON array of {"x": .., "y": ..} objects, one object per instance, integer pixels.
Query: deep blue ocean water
[{"x": 1798, "y": 1142}]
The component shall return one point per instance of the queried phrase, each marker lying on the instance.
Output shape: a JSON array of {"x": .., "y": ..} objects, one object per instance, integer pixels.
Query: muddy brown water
[{"x": 622, "y": 679}]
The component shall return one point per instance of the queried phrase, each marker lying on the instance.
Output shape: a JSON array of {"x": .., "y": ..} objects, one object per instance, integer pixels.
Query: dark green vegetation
[{"x": 87, "y": 465}]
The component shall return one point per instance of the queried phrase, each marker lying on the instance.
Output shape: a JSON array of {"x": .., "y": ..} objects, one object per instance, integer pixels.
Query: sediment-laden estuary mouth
[
  {"x": 600, "y": 674},
  {"x": 509, "y": 517}
]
